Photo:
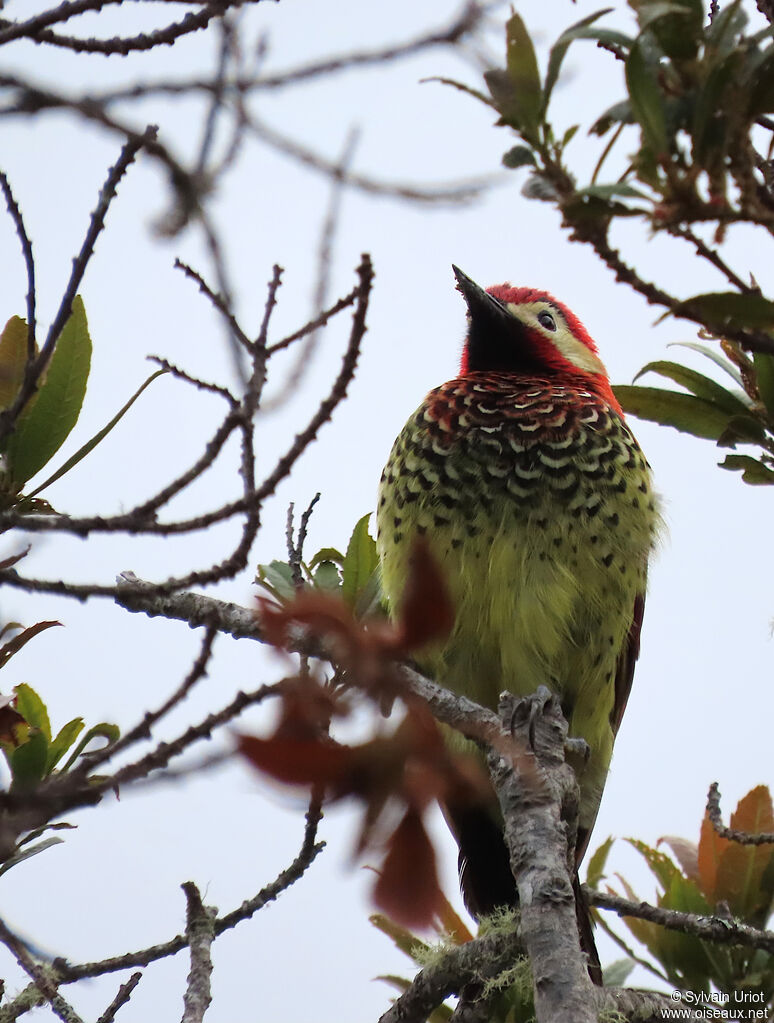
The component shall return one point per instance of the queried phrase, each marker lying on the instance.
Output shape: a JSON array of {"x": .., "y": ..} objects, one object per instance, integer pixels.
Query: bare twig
[
  {"x": 199, "y": 934},
  {"x": 44, "y": 981},
  {"x": 35, "y": 367},
  {"x": 717, "y": 929},
  {"x": 29, "y": 262},
  {"x": 741, "y": 837},
  {"x": 123, "y": 995}
]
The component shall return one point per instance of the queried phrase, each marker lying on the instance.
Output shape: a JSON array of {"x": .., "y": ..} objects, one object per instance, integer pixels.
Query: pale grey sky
[{"x": 701, "y": 706}]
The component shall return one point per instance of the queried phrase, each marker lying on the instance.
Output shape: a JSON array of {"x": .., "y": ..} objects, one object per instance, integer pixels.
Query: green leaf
[
  {"x": 646, "y": 98},
  {"x": 45, "y": 425},
  {"x": 619, "y": 188},
  {"x": 684, "y": 412},
  {"x": 277, "y": 577},
  {"x": 764, "y": 378},
  {"x": 327, "y": 554},
  {"x": 617, "y": 973},
  {"x": 618, "y": 113},
  {"x": 462, "y": 88},
  {"x": 99, "y": 436},
  {"x": 725, "y": 30},
  {"x": 720, "y": 360},
  {"x": 676, "y": 26},
  {"x": 724, "y": 309},
  {"x": 64, "y": 739},
  {"x": 13, "y": 359},
  {"x": 360, "y": 561},
  {"x": 522, "y": 67},
  {"x": 26, "y": 854},
  {"x": 104, "y": 730},
  {"x": 559, "y": 50},
  {"x": 595, "y": 870},
  {"x": 699, "y": 384},
  {"x": 327, "y": 577},
  {"x": 406, "y": 942},
  {"x": 753, "y": 471},
  {"x": 709, "y": 126},
  {"x": 28, "y": 762},
  {"x": 32, "y": 709},
  {"x": 519, "y": 156}
]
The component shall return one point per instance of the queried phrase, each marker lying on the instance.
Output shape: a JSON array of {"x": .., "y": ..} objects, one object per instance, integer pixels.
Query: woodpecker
[{"x": 537, "y": 504}]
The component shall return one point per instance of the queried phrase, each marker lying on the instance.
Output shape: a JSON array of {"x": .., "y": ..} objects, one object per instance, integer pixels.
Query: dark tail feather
[{"x": 486, "y": 880}]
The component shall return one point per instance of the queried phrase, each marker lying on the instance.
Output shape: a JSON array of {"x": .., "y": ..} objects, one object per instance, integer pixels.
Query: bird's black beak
[{"x": 481, "y": 305}]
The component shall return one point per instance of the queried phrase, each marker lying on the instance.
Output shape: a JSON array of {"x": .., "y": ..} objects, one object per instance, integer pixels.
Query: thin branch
[
  {"x": 35, "y": 367},
  {"x": 143, "y": 729},
  {"x": 309, "y": 851},
  {"x": 29, "y": 262},
  {"x": 719, "y": 930},
  {"x": 199, "y": 935},
  {"x": 218, "y": 301},
  {"x": 741, "y": 837},
  {"x": 45, "y": 983},
  {"x": 123, "y": 995}
]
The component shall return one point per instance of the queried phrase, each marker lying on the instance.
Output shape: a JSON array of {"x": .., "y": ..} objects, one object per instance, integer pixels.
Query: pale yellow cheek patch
[{"x": 562, "y": 338}]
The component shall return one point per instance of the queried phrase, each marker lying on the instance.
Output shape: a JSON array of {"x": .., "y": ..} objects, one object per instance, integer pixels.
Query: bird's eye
[{"x": 546, "y": 320}]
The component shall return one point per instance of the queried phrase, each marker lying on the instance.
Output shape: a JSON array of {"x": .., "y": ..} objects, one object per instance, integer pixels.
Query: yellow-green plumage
[{"x": 536, "y": 502}]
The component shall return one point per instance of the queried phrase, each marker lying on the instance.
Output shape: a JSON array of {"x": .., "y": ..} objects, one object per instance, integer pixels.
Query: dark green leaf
[
  {"x": 100, "y": 435},
  {"x": 745, "y": 429},
  {"x": 46, "y": 423},
  {"x": 569, "y": 135},
  {"x": 698, "y": 384},
  {"x": 682, "y": 411},
  {"x": 522, "y": 67},
  {"x": 709, "y": 122},
  {"x": 32, "y": 709},
  {"x": 559, "y": 50},
  {"x": 726, "y": 28},
  {"x": 64, "y": 739},
  {"x": 676, "y": 26},
  {"x": 370, "y": 598},
  {"x": 753, "y": 471},
  {"x": 618, "y": 113},
  {"x": 538, "y": 186},
  {"x": 724, "y": 309},
  {"x": 28, "y": 762},
  {"x": 764, "y": 377},
  {"x": 646, "y": 98},
  {"x": 760, "y": 84},
  {"x": 360, "y": 561},
  {"x": 326, "y": 576},
  {"x": 619, "y": 188},
  {"x": 519, "y": 156}
]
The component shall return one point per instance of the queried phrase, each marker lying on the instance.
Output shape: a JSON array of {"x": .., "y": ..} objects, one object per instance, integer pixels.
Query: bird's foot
[
  {"x": 577, "y": 748},
  {"x": 537, "y": 719}
]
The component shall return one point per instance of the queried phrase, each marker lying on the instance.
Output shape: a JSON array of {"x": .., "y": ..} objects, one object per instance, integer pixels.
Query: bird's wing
[{"x": 626, "y": 661}]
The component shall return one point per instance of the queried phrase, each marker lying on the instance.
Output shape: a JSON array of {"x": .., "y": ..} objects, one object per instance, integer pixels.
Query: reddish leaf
[
  {"x": 298, "y": 761},
  {"x": 7, "y": 650},
  {"x": 426, "y": 610},
  {"x": 742, "y": 867},
  {"x": 711, "y": 848},
  {"x": 686, "y": 853},
  {"x": 407, "y": 889},
  {"x": 9, "y": 720}
]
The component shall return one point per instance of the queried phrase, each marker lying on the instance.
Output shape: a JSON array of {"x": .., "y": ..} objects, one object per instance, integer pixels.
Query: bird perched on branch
[{"x": 536, "y": 502}]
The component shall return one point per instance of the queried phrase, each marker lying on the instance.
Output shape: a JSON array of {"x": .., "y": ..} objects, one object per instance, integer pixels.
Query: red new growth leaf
[
  {"x": 407, "y": 889},
  {"x": 426, "y": 610},
  {"x": 298, "y": 761}
]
